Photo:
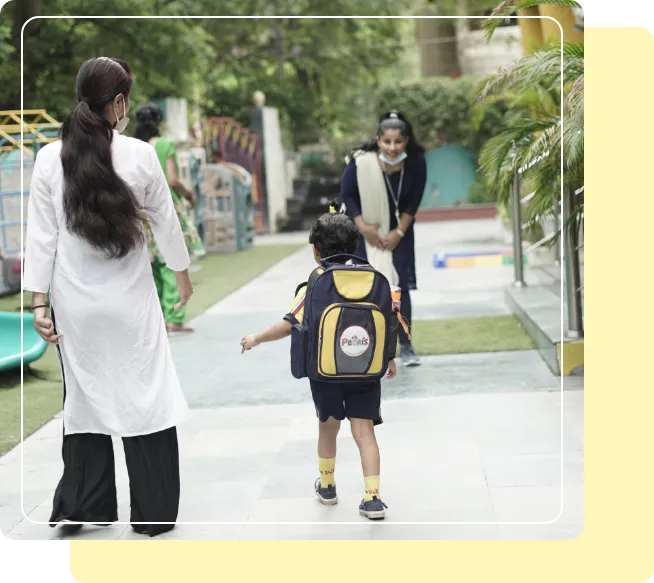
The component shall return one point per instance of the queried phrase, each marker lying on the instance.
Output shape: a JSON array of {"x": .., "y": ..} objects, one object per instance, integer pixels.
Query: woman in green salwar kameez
[{"x": 148, "y": 118}]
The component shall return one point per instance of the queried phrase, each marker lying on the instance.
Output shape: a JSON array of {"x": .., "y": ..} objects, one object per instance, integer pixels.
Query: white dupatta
[{"x": 375, "y": 211}]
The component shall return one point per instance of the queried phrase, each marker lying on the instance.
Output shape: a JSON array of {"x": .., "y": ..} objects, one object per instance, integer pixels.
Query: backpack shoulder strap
[{"x": 315, "y": 274}]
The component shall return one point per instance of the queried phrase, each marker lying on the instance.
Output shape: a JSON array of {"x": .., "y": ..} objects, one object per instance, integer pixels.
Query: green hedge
[{"x": 443, "y": 111}]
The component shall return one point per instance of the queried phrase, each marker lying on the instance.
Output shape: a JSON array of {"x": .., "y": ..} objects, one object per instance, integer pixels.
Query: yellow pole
[
  {"x": 530, "y": 30},
  {"x": 566, "y": 19}
]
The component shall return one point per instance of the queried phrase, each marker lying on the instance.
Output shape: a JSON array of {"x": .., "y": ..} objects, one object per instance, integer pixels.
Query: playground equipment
[
  {"x": 225, "y": 140},
  {"x": 33, "y": 346},
  {"x": 10, "y": 268},
  {"x": 38, "y": 128},
  {"x": 225, "y": 174},
  {"x": 36, "y": 131},
  {"x": 225, "y": 212},
  {"x": 27, "y": 131}
]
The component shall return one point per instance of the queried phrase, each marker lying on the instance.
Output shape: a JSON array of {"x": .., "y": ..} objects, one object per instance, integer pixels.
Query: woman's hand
[
  {"x": 392, "y": 240},
  {"x": 184, "y": 287},
  {"x": 190, "y": 196},
  {"x": 371, "y": 234},
  {"x": 44, "y": 326}
]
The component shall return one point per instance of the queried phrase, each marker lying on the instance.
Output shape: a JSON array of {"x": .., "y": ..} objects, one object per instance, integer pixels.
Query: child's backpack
[{"x": 349, "y": 328}]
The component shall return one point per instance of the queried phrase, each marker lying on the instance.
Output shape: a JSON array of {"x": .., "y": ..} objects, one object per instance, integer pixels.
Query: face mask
[
  {"x": 395, "y": 162},
  {"x": 122, "y": 123}
]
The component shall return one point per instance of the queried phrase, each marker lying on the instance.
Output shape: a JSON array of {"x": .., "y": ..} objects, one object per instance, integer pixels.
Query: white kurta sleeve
[
  {"x": 163, "y": 219},
  {"x": 42, "y": 231}
]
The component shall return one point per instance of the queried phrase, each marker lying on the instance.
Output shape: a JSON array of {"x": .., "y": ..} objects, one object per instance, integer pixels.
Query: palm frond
[
  {"x": 575, "y": 97},
  {"x": 573, "y": 140},
  {"x": 524, "y": 71},
  {"x": 537, "y": 81},
  {"x": 574, "y": 221},
  {"x": 516, "y": 104},
  {"x": 542, "y": 67},
  {"x": 573, "y": 134},
  {"x": 499, "y": 79},
  {"x": 545, "y": 183},
  {"x": 573, "y": 50},
  {"x": 496, "y": 160},
  {"x": 548, "y": 140},
  {"x": 497, "y": 166}
]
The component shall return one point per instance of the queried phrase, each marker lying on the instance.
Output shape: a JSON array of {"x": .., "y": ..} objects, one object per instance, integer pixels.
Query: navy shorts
[{"x": 351, "y": 400}]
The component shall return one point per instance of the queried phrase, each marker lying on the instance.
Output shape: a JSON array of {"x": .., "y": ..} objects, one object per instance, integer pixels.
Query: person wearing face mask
[
  {"x": 381, "y": 189},
  {"x": 94, "y": 296}
]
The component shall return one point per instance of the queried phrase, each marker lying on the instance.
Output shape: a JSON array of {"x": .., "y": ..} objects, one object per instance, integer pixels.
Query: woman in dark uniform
[{"x": 382, "y": 188}]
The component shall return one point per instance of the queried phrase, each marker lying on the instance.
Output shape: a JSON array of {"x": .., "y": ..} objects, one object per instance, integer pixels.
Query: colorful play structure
[
  {"x": 38, "y": 128},
  {"x": 227, "y": 178},
  {"x": 227, "y": 141}
]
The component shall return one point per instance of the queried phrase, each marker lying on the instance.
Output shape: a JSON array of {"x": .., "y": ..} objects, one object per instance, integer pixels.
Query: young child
[{"x": 359, "y": 401}]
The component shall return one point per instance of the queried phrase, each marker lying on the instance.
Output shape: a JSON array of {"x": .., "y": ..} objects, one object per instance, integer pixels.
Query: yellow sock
[
  {"x": 327, "y": 472},
  {"x": 372, "y": 487}
]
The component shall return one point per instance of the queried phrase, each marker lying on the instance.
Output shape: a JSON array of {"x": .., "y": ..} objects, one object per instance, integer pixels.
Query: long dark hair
[
  {"x": 148, "y": 118},
  {"x": 98, "y": 205},
  {"x": 392, "y": 120}
]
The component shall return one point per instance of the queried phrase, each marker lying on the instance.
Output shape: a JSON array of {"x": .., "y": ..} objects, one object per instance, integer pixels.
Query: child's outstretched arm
[{"x": 275, "y": 332}]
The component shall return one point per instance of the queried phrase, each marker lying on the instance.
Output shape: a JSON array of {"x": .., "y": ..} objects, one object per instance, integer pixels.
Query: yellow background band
[{"x": 617, "y": 545}]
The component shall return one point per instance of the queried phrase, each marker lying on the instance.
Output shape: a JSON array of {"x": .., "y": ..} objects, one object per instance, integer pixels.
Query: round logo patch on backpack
[{"x": 354, "y": 341}]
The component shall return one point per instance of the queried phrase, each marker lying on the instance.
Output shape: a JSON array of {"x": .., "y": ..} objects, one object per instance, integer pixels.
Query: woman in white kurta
[{"x": 85, "y": 247}]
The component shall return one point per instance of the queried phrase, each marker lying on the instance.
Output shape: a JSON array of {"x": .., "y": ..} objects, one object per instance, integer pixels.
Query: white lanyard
[{"x": 396, "y": 200}]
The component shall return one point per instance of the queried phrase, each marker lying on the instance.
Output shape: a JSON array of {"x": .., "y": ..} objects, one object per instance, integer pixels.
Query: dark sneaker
[
  {"x": 373, "y": 509},
  {"x": 326, "y": 495},
  {"x": 408, "y": 355}
]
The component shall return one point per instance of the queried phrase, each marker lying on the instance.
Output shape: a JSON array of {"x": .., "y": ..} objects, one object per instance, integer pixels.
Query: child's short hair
[{"x": 334, "y": 233}]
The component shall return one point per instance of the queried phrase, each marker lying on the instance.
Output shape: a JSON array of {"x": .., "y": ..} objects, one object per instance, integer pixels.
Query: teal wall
[{"x": 450, "y": 172}]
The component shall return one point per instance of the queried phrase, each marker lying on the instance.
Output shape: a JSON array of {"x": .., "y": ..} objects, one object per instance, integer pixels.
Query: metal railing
[
  {"x": 570, "y": 243},
  {"x": 571, "y": 263},
  {"x": 518, "y": 267}
]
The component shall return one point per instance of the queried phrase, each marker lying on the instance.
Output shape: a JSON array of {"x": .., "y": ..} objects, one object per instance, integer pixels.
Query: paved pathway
[{"x": 470, "y": 438}]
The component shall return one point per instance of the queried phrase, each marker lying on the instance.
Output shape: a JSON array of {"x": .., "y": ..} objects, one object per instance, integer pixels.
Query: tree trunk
[
  {"x": 23, "y": 11},
  {"x": 438, "y": 46}
]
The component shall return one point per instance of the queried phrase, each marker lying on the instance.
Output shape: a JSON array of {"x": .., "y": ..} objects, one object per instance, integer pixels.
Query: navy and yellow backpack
[{"x": 349, "y": 328}]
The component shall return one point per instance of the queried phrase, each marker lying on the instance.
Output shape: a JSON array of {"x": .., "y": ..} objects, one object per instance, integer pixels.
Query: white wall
[
  {"x": 291, "y": 173},
  {"x": 275, "y": 167},
  {"x": 177, "y": 119},
  {"x": 478, "y": 57}
]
